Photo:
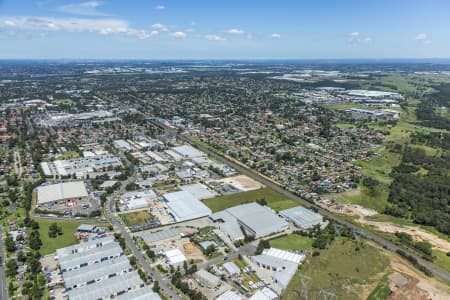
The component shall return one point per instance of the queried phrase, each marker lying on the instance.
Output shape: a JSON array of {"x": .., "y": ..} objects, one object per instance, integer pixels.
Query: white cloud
[
  {"x": 178, "y": 34},
  {"x": 235, "y": 31},
  {"x": 64, "y": 24},
  {"x": 159, "y": 7},
  {"x": 74, "y": 25},
  {"x": 215, "y": 38},
  {"x": 160, "y": 27},
  {"x": 358, "y": 38},
  {"x": 9, "y": 23},
  {"x": 275, "y": 35},
  {"x": 423, "y": 38},
  {"x": 88, "y": 8}
]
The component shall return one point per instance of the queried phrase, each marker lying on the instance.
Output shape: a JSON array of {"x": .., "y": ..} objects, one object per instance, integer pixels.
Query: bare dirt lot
[
  {"x": 242, "y": 182},
  {"x": 406, "y": 283},
  {"x": 416, "y": 232}
]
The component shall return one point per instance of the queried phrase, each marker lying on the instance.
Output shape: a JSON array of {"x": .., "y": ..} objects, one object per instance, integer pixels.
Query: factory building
[
  {"x": 302, "y": 217},
  {"x": 257, "y": 220},
  {"x": 64, "y": 193},
  {"x": 184, "y": 206}
]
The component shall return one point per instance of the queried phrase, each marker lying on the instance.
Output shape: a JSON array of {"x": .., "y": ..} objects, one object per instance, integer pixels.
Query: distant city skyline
[{"x": 179, "y": 29}]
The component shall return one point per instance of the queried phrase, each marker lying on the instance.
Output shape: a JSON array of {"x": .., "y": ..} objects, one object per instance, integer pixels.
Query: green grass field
[
  {"x": 136, "y": 218},
  {"x": 382, "y": 290},
  {"x": 292, "y": 242},
  {"x": 340, "y": 269},
  {"x": 363, "y": 197},
  {"x": 345, "y": 126},
  {"x": 66, "y": 101},
  {"x": 442, "y": 260},
  {"x": 68, "y": 155},
  {"x": 378, "y": 168},
  {"x": 49, "y": 245},
  {"x": 4, "y": 150},
  {"x": 342, "y": 106},
  {"x": 274, "y": 200}
]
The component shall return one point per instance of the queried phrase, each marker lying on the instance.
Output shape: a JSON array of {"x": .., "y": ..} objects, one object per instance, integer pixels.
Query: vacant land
[
  {"x": 136, "y": 218},
  {"x": 49, "y": 245},
  {"x": 274, "y": 200},
  {"x": 292, "y": 242},
  {"x": 342, "y": 269},
  {"x": 365, "y": 198},
  {"x": 442, "y": 260},
  {"x": 378, "y": 168},
  {"x": 382, "y": 291}
]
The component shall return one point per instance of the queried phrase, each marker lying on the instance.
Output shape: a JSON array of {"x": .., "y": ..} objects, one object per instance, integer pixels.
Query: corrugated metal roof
[
  {"x": 144, "y": 293},
  {"x": 260, "y": 219},
  {"x": 302, "y": 217},
  {"x": 151, "y": 237},
  {"x": 104, "y": 289},
  {"x": 69, "y": 262},
  {"x": 97, "y": 271},
  {"x": 61, "y": 191},
  {"x": 184, "y": 206}
]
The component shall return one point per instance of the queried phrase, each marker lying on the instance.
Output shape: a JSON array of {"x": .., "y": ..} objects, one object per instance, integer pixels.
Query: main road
[
  {"x": 110, "y": 209},
  {"x": 3, "y": 287},
  {"x": 267, "y": 182}
]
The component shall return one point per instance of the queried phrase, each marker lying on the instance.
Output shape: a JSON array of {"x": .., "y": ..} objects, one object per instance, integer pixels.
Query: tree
[
  {"x": 210, "y": 250},
  {"x": 35, "y": 240},
  {"x": 156, "y": 287},
  {"x": 34, "y": 265},
  {"x": 21, "y": 256},
  {"x": 263, "y": 244},
  {"x": 10, "y": 244},
  {"x": 27, "y": 288},
  {"x": 133, "y": 261},
  {"x": 11, "y": 288},
  {"x": 53, "y": 230},
  {"x": 11, "y": 268}
]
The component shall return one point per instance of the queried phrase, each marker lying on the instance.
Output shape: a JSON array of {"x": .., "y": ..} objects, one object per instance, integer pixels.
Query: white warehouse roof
[
  {"x": 199, "y": 191},
  {"x": 302, "y": 217},
  {"x": 188, "y": 151},
  {"x": 175, "y": 257},
  {"x": 229, "y": 295},
  {"x": 184, "y": 206},
  {"x": 285, "y": 255},
  {"x": 61, "y": 191},
  {"x": 257, "y": 218}
]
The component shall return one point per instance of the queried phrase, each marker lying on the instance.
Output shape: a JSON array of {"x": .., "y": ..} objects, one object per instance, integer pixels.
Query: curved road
[
  {"x": 115, "y": 221},
  {"x": 367, "y": 234}
]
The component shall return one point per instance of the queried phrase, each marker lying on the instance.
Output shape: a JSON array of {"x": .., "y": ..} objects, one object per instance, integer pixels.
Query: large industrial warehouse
[
  {"x": 61, "y": 193},
  {"x": 302, "y": 218},
  {"x": 184, "y": 206},
  {"x": 257, "y": 220}
]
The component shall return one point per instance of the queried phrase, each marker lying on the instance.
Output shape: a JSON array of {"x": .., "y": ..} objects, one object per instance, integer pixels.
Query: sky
[{"x": 224, "y": 29}]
